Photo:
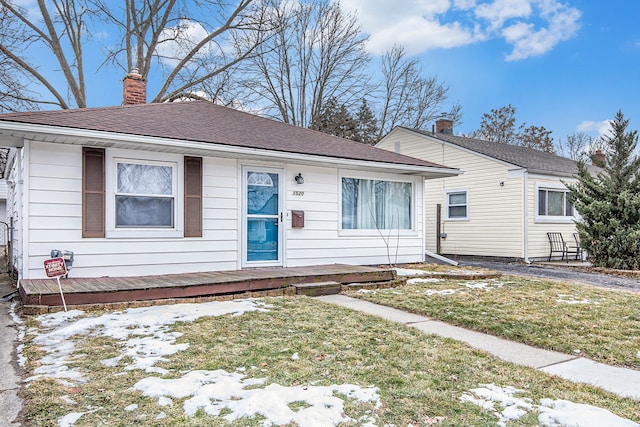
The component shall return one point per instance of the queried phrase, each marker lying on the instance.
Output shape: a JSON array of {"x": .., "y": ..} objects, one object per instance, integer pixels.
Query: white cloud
[
  {"x": 176, "y": 42},
  {"x": 529, "y": 40},
  {"x": 418, "y": 34},
  {"x": 532, "y": 27},
  {"x": 502, "y": 10},
  {"x": 601, "y": 128}
]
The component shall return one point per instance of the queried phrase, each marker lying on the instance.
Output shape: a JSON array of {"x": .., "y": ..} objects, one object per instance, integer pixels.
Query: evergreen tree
[
  {"x": 337, "y": 120},
  {"x": 609, "y": 202},
  {"x": 367, "y": 125}
]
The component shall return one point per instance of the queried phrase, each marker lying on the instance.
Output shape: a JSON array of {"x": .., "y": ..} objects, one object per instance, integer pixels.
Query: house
[
  {"x": 151, "y": 189},
  {"x": 504, "y": 203}
]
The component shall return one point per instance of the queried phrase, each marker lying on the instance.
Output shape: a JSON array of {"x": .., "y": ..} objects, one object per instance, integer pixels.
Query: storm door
[{"x": 262, "y": 217}]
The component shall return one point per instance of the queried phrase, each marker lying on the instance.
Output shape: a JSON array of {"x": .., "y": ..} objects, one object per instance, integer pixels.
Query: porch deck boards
[{"x": 78, "y": 291}]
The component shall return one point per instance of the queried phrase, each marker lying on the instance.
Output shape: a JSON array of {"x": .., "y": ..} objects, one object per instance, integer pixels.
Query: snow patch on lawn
[
  {"x": 419, "y": 280},
  {"x": 215, "y": 391},
  {"x": 144, "y": 333},
  {"x": 551, "y": 412},
  {"x": 487, "y": 286},
  {"x": 430, "y": 292},
  {"x": 576, "y": 301}
]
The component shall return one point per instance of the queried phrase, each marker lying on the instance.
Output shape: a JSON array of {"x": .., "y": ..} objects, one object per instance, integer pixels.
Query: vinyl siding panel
[
  {"x": 322, "y": 241},
  {"x": 495, "y": 213},
  {"x": 54, "y": 210},
  {"x": 538, "y": 240}
]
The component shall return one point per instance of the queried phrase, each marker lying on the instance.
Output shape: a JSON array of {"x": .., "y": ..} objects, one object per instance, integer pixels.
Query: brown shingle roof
[
  {"x": 535, "y": 161},
  {"x": 201, "y": 121}
]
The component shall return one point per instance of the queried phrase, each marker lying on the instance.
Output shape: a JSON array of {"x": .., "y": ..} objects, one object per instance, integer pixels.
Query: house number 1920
[{"x": 298, "y": 193}]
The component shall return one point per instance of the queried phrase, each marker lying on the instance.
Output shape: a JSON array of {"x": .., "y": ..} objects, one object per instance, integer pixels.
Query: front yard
[
  {"x": 596, "y": 323},
  {"x": 291, "y": 361}
]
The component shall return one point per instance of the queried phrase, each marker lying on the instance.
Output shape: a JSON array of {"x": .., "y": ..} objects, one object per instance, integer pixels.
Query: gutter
[{"x": 109, "y": 139}]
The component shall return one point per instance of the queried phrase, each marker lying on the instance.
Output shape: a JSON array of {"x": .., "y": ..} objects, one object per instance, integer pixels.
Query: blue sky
[{"x": 567, "y": 65}]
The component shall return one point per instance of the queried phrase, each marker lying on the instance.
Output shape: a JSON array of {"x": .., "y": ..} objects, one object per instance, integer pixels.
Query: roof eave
[{"x": 95, "y": 138}]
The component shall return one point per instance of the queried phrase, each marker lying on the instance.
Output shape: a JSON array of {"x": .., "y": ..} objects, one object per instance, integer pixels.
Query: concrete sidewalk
[
  {"x": 623, "y": 382},
  {"x": 10, "y": 403}
]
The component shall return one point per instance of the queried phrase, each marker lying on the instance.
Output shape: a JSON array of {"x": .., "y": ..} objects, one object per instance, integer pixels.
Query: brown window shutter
[
  {"x": 193, "y": 197},
  {"x": 93, "y": 193}
]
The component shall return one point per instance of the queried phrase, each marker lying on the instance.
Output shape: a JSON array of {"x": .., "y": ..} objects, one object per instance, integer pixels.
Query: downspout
[{"x": 525, "y": 178}]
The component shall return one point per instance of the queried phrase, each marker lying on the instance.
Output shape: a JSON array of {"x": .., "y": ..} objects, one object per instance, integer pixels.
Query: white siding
[
  {"x": 495, "y": 225},
  {"x": 322, "y": 241},
  {"x": 54, "y": 207}
]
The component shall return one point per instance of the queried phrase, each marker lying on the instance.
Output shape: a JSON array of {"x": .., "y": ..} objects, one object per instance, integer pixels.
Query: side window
[
  {"x": 554, "y": 203},
  {"x": 456, "y": 205}
]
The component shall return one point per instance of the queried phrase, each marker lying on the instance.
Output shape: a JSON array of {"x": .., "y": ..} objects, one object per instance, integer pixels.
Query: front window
[
  {"x": 457, "y": 205},
  {"x": 145, "y": 194},
  {"x": 554, "y": 202},
  {"x": 376, "y": 204}
]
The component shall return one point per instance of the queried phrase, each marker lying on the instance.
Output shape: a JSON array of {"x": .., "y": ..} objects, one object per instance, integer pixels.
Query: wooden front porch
[{"x": 95, "y": 291}]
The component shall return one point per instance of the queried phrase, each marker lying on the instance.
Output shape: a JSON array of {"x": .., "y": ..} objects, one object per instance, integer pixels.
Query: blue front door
[{"x": 262, "y": 216}]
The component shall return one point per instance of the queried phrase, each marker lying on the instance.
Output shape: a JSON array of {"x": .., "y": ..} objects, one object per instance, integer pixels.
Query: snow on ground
[
  {"x": 144, "y": 332},
  {"x": 572, "y": 300},
  {"x": 145, "y": 336},
  {"x": 430, "y": 292},
  {"x": 553, "y": 413},
  {"x": 419, "y": 280},
  {"x": 214, "y": 391},
  {"x": 484, "y": 285}
]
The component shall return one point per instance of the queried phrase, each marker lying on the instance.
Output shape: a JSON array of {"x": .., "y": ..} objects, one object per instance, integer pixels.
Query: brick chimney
[
  {"x": 444, "y": 126},
  {"x": 134, "y": 88}
]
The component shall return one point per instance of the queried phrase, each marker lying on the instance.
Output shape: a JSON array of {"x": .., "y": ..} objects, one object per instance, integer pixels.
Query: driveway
[{"x": 558, "y": 273}]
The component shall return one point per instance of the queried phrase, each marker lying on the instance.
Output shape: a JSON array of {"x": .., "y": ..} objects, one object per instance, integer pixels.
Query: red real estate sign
[{"x": 55, "y": 267}]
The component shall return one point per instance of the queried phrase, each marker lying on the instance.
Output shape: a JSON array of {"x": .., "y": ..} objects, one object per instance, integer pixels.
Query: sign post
[{"x": 55, "y": 267}]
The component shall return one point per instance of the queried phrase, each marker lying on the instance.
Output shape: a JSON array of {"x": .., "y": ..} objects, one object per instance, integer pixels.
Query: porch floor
[{"x": 83, "y": 291}]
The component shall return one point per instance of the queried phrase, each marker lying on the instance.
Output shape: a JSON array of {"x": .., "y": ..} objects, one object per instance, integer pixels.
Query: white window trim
[
  {"x": 113, "y": 156},
  {"x": 551, "y": 219},
  {"x": 406, "y": 232},
  {"x": 446, "y": 204}
]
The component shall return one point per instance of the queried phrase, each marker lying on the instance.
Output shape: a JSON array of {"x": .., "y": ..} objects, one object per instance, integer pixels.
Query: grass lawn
[
  {"x": 597, "y": 323},
  {"x": 298, "y": 343}
]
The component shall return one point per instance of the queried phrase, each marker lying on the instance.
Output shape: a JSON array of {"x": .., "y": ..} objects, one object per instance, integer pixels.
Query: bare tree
[
  {"x": 408, "y": 98},
  {"x": 538, "y": 138},
  {"x": 14, "y": 94},
  {"x": 59, "y": 29},
  {"x": 576, "y": 145},
  {"x": 196, "y": 51},
  {"x": 500, "y": 126},
  {"x": 316, "y": 53}
]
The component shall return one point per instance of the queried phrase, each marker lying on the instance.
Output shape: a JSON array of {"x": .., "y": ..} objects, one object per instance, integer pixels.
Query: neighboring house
[
  {"x": 194, "y": 186},
  {"x": 504, "y": 203}
]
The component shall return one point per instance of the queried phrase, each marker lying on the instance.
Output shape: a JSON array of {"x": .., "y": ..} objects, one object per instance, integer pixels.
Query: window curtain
[
  {"x": 369, "y": 204},
  {"x": 394, "y": 204}
]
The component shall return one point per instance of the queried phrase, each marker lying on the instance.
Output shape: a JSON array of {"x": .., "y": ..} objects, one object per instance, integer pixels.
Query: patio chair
[
  {"x": 577, "y": 247},
  {"x": 558, "y": 245}
]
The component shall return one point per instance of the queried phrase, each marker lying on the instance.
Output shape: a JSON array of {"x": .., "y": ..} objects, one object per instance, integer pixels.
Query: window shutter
[
  {"x": 193, "y": 197},
  {"x": 93, "y": 193}
]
